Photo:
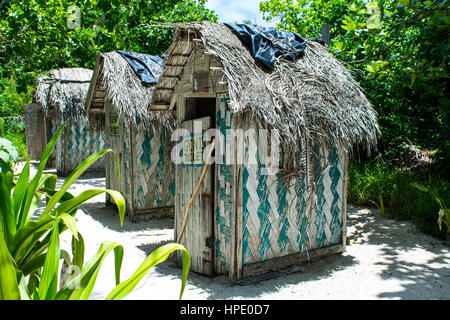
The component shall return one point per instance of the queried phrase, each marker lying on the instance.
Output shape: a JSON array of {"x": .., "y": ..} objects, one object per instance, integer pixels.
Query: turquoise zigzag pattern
[{"x": 325, "y": 227}]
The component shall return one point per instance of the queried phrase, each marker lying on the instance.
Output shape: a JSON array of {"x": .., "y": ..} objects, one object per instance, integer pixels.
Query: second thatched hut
[{"x": 120, "y": 96}]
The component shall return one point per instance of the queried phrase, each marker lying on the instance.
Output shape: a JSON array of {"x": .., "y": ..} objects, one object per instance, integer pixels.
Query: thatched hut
[
  {"x": 139, "y": 137},
  {"x": 260, "y": 208},
  {"x": 61, "y": 95}
]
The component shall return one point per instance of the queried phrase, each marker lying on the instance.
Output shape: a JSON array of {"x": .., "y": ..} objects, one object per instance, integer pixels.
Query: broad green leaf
[
  {"x": 81, "y": 286},
  {"x": 74, "y": 203},
  {"x": 118, "y": 258},
  {"x": 6, "y": 213},
  {"x": 78, "y": 251},
  {"x": 34, "y": 184},
  {"x": 349, "y": 24},
  {"x": 25, "y": 239},
  {"x": 73, "y": 177},
  {"x": 49, "y": 282},
  {"x": 156, "y": 257},
  {"x": 24, "y": 295},
  {"x": 420, "y": 187},
  {"x": 338, "y": 45},
  {"x": 50, "y": 183},
  {"x": 33, "y": 264},
  {"x": 8, "y": 277},
  {"x": 8, "y": 152},
  {"x": 27, "y": 243},
  {"x": 71, "y": 223},
  {"x": 20, "y": 189},
  {"x": 33, "y": 283}
]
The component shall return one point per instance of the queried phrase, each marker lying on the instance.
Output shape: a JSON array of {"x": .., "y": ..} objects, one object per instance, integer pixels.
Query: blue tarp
[
  {"x": 147, "y": 67},
  {"x": 263, "y": 49}
]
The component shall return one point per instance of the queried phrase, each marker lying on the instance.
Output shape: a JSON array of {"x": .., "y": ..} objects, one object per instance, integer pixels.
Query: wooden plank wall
[
  {"x": 202, "y": 77},
  {"x": 51, "y": 128},
  {"x": 198, "y": 232},
  {"x": 35, "y": 130},
  {"x": 113, "y": 141}
]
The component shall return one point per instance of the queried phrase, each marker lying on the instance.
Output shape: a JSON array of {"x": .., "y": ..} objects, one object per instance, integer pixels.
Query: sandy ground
[{"x": 384, "y": 259}]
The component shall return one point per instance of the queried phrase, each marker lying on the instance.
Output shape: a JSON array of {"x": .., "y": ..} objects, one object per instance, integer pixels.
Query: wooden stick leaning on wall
[{"x": 205, "y": 167}]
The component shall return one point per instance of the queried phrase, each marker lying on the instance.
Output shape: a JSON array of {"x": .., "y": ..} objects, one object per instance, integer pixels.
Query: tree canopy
[
  {"x": 40, "y": 35},
  {"x": 399, "y": 51}
]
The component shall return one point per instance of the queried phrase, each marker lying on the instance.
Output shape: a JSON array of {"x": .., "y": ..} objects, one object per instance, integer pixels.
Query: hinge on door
[{"x": 209, "y": 242}]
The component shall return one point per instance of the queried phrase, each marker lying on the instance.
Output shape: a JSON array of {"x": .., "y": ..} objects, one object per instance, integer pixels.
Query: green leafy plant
[
  {"x": 396, "y": 52},
  {"x": 2, "y": 127},
  {"x": 444, "y": 212},
  {"x": 30, "y": 250},
  {"x": 14, "y": 131},
  {"x": 369, "y": 180},
  {"x": 8, "y": 155},
  {"x": 379, "y": 205}
]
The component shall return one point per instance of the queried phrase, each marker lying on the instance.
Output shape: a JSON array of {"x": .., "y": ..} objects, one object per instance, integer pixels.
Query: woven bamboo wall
[
  {"x": 83, "y": 142},
  {"x": 224, "y": 194},
  {"x": 274, "y": 221},
  {"x": 147, "y": 179},
  {"x": 153, "y": 170},
  {"x": 75, "y": 144},
  {"x": 277, "y": 221}
]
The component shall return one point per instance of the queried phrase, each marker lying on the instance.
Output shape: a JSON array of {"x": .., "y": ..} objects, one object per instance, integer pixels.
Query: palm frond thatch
[
  {"x": 64, "y": 90},
  {"x": 313, "y": 100},
  {"x": 116, "y": 81}
]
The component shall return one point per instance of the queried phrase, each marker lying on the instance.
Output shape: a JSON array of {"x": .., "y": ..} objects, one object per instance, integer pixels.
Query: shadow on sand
[
  {"x": 366, "y": 226},
  {"x": 398, "y": 238}
]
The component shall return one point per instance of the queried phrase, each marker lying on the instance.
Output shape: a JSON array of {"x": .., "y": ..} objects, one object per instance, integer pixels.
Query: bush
[
  {"x": 14, "y": 130},
  {"x": 11, "y": 101},
  {"x": 371, "y": 180}
]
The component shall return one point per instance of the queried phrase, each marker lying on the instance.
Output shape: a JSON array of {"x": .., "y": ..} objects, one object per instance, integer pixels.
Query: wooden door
[
  {"x": 198, "y": 235},
  {"x": 113, "y": 141}
]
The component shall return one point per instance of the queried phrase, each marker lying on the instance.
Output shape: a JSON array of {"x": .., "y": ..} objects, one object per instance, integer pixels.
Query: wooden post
[
  {"x": 326, "y": 34},
  {"x": 65, "y": 161}
]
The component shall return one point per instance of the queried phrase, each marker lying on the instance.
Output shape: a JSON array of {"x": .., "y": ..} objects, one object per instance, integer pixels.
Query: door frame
[{"x": 209, "y": 241}]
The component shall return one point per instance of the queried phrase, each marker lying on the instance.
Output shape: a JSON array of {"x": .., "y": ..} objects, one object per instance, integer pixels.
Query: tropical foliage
[
  {"x": 399, "y": 51},
  {"x": 376, "y": 182},
  {"x": 30, "y": 250},
  {"x": 37, "y": 35}
]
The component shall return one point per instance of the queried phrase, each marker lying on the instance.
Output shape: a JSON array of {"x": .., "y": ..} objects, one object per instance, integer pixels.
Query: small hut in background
[
  {"x": 246, "y": 220},
  {"x": 140, "y": 138},
  {"x": 62, "y": 95}
]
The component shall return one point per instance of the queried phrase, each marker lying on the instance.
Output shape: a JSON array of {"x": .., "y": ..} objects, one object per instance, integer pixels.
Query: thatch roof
[
  {"x": 312, "y": 100},
  {"x": 116, "y": 81},
  {"x": 64, "y": 90}
]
